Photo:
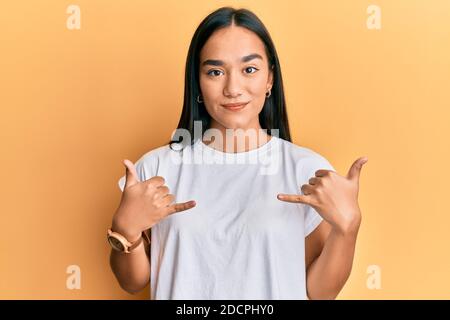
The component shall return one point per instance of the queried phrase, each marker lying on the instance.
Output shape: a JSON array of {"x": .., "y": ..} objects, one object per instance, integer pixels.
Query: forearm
[
  {"x": 327, "y": 274},
  {"x": 132, "y": 270}
]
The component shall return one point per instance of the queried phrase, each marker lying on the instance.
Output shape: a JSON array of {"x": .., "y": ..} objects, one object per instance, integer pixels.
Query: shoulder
[
  {"x": 168, "y": 154},
  {"x": 148, "y": 164},
  {"x": 302, "y": 154},
  {"x": 306, "y": 160}
]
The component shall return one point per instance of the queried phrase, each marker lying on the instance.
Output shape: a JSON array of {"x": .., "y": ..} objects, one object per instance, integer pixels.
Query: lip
[{"x": 235, "y": 106}]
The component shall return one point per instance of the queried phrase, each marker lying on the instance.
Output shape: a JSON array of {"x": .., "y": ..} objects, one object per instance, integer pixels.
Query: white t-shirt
[{"x": 239, "y": 241}]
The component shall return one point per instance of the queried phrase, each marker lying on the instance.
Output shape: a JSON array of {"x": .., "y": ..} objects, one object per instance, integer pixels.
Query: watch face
[{"x": 116, "y": 244}]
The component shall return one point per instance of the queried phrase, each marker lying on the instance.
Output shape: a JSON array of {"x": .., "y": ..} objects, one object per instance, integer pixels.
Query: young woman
[{"x": 222, "y": 208}]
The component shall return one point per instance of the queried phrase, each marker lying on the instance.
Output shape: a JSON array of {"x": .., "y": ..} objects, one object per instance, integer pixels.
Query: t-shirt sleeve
[
  {"x": 144, "y": 168},
  {"x": 308, "y": 170}
]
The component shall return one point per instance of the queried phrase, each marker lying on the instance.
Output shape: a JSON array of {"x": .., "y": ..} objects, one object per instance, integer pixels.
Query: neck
[{"x": 235, "y": 140}]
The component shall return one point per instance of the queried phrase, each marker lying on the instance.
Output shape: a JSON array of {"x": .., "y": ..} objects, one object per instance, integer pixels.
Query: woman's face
[{"x": 233, "y": 69}]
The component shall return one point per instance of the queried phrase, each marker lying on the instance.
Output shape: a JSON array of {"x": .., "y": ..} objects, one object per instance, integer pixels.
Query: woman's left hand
[{"x": 333, "y": 196}]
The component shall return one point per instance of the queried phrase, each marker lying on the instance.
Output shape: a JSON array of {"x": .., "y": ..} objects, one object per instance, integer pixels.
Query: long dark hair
[{"x": 273, "y": 115}]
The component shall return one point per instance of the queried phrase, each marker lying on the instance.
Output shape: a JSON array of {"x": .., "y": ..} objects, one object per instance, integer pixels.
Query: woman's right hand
[{"x": 143, "y": 204}]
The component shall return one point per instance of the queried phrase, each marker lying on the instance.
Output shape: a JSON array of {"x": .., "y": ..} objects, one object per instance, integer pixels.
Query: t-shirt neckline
[{"x": 232, "y": 155}]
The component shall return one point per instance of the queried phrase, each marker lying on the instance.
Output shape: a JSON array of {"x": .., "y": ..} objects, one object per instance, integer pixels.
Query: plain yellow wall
[{"x": 75, "y": 103}]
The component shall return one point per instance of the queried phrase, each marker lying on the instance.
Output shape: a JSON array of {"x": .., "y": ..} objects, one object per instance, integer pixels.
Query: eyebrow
[{"x": 213, "y": 62}]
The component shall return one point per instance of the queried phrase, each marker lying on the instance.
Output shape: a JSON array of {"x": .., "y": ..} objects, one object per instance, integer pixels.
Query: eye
[
  {"x": 251, "y": 68},
  {"x": 211, "y": 71}
]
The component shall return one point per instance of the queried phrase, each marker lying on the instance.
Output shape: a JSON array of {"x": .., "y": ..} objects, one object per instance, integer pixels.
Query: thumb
[
  {"x": 131, "y": 176},
  {"x": 355, "y": 169}
]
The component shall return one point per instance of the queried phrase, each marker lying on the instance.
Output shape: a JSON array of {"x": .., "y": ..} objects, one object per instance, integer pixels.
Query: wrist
[
  {"x": 349, "y": 228},
  {"x": 130, "y": 234}
]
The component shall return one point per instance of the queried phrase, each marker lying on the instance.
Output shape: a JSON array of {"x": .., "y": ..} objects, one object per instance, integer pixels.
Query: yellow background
[{"x": 75, "y": 103}]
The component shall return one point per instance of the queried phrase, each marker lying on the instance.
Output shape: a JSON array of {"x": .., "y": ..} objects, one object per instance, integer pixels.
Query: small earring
[
  {"x": 198, "y": 99},
  {"x": 270, "y": 92}
]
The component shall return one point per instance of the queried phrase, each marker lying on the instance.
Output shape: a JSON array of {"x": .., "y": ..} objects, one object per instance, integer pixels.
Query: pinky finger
[
  {"x": 295, "y": 198},
  {"x": 178, "y": 207}
]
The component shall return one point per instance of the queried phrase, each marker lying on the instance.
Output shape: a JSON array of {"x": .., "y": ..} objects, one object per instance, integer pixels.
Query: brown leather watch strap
[
  {"x": 136, "y": 243},
  {"x": 144, "y": 236}
]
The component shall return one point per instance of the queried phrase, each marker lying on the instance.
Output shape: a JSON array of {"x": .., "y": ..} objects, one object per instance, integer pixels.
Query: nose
[{"x": 232, "y": 88}]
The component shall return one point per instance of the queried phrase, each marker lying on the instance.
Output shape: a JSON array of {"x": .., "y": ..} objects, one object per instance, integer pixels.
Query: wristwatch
[{"x": 119, "y": 243}]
